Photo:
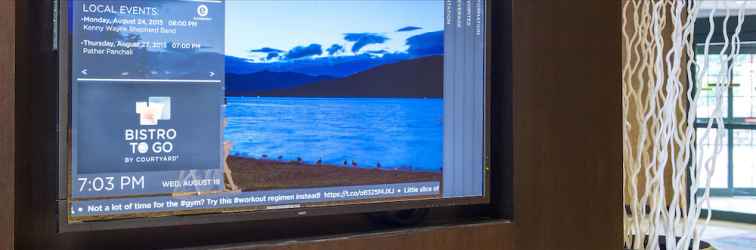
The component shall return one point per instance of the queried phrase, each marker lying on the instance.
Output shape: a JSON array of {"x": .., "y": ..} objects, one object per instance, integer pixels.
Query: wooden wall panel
[
  {"x": 567, "y": 124},
  {"x": 7, "y": 122},
  {"x": 483, "y": 236}
]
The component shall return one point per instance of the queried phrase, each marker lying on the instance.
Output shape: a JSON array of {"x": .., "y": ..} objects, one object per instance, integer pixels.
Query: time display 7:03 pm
[{"x": 110, "y": 183}]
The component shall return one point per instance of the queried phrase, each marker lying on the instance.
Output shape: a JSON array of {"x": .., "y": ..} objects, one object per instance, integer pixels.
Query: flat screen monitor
[{"x": 252, "y": 107}]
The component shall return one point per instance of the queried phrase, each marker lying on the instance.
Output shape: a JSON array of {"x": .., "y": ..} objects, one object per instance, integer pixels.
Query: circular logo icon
[{"x": 202, "y": 10}]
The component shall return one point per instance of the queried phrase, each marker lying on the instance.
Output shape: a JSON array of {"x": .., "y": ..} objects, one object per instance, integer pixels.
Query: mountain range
[
  {"x": 255, "y": 83},
  {"x": 342, "y": 66},
  {"x": 417, "y": 78}
]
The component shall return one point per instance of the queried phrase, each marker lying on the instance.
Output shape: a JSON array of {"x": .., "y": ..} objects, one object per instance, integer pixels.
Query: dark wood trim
[
  {"x": 7, "y": 126},
  {"x": 485, "y": 235},
  {"x": 567, "y": 124}
]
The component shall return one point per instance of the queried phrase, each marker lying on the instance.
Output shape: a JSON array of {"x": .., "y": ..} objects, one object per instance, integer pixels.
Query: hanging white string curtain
[{"x": 661, "y": 83}]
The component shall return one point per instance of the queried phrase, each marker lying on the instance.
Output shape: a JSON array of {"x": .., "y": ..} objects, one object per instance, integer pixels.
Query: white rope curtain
[{"x": 662, "y": 81}]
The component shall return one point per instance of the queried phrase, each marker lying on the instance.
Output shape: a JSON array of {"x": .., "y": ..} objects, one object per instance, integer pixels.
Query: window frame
[{"x": 731, "y": 123}]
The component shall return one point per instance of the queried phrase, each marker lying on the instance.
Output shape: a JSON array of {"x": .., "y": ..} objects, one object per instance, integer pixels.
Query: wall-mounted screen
[{"x": 180, "y": 107}]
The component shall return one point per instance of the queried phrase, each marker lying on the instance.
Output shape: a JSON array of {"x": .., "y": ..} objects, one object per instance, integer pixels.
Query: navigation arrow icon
[
  {"x": 84, "y": 72},
  {"x": 212, "y": 74}
]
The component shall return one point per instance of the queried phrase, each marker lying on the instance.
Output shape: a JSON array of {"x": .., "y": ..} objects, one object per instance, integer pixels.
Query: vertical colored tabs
[
  {"x": 468, "y": 116},
  {"x": 464, "y": 99},
  {"x": 458, "y": 97},
  {"x": 147, "y": 97},
  {"x": 450, "y": 11}
]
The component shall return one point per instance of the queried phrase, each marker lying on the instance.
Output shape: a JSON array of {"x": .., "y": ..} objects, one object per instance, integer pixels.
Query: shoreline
[{"x": 262, "y": 174}]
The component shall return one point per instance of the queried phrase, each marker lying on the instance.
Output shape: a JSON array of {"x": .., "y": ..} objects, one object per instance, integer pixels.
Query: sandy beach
[{"x": 260, "y": 174}]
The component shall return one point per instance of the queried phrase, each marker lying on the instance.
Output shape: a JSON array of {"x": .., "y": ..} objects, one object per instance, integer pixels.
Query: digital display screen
[{"x": 204, "y": 106}]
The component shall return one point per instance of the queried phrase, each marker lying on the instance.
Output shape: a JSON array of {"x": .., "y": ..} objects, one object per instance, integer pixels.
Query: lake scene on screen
[
  {"x": 396, "y": 133},
  {"x": 346, "y": 90}
]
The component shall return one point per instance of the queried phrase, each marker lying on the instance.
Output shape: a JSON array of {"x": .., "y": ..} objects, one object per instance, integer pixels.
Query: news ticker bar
[{"x": 277, "y": 199}]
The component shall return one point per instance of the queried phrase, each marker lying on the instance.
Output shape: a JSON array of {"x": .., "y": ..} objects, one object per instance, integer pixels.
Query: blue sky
[{"x": 287, "y": 24}]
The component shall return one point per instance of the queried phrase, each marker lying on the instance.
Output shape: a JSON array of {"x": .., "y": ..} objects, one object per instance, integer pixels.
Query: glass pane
[
  {"x": 744, "y": 158},
  {"x": 744, "y": 86},
  {"x": 706, "y": 147},
  {"x": 707, "y": 98}
]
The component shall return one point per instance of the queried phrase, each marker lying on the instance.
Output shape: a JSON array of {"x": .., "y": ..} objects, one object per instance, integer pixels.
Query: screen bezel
[{"x": 237, "y": 215}]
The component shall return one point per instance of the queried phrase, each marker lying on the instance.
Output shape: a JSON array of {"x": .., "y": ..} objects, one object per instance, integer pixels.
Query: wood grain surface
[
  {"x": 567, "y": 124},
  {"x": 7, "y": 122},
  {"x": 491, "y": 235}
]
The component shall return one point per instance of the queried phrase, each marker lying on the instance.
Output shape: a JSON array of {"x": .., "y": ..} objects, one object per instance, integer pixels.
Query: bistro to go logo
[
  {"x": 151, "y": 140},
  {"x": 155, "y": 109}
]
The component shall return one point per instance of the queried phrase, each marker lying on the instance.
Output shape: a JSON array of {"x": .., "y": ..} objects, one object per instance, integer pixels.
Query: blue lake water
[{"x": 398, "y": 133}]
